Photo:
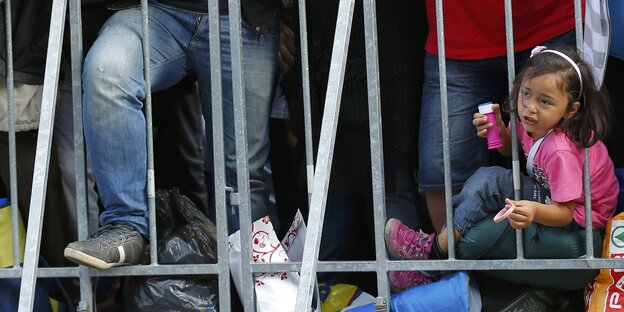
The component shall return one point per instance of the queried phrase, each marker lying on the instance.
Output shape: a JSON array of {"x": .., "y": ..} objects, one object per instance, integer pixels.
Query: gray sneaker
[{"x": 111, "y": 245}]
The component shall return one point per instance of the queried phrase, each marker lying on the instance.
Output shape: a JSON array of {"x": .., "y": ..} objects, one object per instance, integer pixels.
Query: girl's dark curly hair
[{"x": 592, "y": 120}]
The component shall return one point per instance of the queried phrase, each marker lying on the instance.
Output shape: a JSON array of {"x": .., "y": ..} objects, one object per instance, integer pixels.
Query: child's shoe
[
  {"x": 401, "y": 280},
  {"x": 406, "y": 243}
]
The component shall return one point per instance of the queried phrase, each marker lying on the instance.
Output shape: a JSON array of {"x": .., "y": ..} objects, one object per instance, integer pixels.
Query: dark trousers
[
  {"x": 614, "y": 80},
  {"x": 53, "y": 239}
]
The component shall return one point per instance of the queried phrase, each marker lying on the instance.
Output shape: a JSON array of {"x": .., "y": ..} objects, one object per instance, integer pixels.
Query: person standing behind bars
[
  {"x": 349, "y": 213},
  {"x": 30, "y": 28},
  {"x": 614, "y": 80},
  {"x": 560, "y": 113},
  {"x": 114, "y": 90},
  {"x": 476, "y": 69}
]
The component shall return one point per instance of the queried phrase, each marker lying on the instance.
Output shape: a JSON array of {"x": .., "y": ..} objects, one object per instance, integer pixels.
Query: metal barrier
[{"x": 318, "y": 177}]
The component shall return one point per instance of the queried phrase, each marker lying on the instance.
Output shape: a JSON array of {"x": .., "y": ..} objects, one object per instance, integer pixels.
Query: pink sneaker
[
  {"x": 401, "y": 280},
  {"x": 406, "y": 243}
]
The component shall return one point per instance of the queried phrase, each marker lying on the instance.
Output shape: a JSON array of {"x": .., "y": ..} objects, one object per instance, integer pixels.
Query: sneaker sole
[
  {"x": 86, "y": 260},
  {"x": 386, "y": 240}
]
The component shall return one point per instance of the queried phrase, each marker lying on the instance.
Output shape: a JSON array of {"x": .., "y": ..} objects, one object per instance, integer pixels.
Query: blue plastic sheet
[{"x": 451, "y": 293}]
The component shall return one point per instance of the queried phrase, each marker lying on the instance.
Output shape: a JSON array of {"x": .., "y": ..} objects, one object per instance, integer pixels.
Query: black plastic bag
[
  {"x": 185, "y": 236},
  {"x": 503, "y": 296},
  {"x": 171, "y": 293}
]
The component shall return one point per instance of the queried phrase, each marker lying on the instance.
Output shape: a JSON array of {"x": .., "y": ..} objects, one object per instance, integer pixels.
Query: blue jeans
[
  {"x": 114, "y": 90},
  {"x": 485, "y": 192},
  {"x": 469, "y": 83}
]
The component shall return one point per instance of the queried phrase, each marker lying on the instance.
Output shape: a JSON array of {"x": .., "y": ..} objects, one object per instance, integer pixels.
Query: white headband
[{"x": 541, "y": 49}]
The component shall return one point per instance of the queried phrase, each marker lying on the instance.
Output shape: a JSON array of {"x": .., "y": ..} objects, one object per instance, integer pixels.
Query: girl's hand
[
  {"x": 482, "y": 125},
  {"x": 523, "y": 215}
]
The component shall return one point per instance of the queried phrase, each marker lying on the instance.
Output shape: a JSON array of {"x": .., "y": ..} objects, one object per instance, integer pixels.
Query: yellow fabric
[
  {"x": 339, "y": 297},
  {"x": 6, "y": 238},
  {"x": 54, "y": 305}
]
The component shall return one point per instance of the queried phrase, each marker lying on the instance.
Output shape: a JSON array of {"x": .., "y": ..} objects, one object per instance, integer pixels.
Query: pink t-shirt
[{"x": 558, "y": 166}]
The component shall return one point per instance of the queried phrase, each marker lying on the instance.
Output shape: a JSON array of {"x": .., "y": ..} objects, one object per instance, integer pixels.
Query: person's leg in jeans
[
  {"x": 114, "y": 88},
  {"x": 259, "y": 76},
  {"x": 470, "y": 83},
  {"x": 484, "y": 193}
]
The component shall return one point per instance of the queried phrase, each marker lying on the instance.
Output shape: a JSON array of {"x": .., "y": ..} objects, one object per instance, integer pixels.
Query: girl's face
[{"x": 542, "y": 105}]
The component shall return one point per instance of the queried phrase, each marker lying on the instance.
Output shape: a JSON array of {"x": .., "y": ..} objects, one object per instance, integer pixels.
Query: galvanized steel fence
[{"x": 317, "y": 174}]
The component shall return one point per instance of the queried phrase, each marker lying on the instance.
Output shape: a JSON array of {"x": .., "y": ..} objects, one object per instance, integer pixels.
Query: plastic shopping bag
[
  {"x": 453, "y": 292},
  {"x": 276, "y": 291},
  {"x": 606, "y": 292},
  {"x": 336, "y": 297},
  {"x": 185, "y": 236}
]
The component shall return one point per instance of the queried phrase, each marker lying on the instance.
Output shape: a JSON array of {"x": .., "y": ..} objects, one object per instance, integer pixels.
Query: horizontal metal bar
[
  {"x": 41, "y": 272},
  {"x": 138, "y": 270},
  {"x": 508, "y": 264},
  {"x": 175, "y": 269},
  {"x": 461, "y": 265},
  {"x": 338, "y": 266}
]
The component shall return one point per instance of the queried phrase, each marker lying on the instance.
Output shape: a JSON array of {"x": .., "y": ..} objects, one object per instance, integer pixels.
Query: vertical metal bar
[
  {"x": 327, "y": 140},
  {"x": 578, "y": 20},
  {"x": 11, "y": 121},
  {"x": 151, "y": 188},
  {"x": 446, "y": 148},
  {"x": 214, "y": 34},
  {"x": 305, "y": 78},
  {"x": 589, "y": 237},
  {"x": 242, "y": 172},
  {"x": 511, "y": 75},
  {"x": 75, "y": 19},
  {"x": 42, "y": 156},
  {"x": 376, "y": 145}
]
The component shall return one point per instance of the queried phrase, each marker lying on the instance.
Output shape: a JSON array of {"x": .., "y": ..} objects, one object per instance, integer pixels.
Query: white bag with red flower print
[{"x": 275, "y": 292}]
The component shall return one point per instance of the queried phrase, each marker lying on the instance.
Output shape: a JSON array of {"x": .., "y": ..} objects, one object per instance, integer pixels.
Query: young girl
[{"x": 560, "y": 112}]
